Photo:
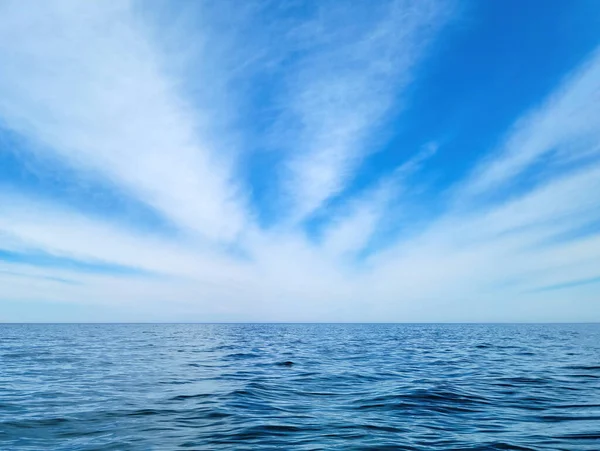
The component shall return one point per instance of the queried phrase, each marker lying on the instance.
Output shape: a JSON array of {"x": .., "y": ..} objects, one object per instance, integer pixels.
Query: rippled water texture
[{"x": 304, "y": 387}]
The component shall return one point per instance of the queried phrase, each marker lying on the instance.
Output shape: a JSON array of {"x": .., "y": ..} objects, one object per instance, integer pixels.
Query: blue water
[{"x": 299, "y": 387}]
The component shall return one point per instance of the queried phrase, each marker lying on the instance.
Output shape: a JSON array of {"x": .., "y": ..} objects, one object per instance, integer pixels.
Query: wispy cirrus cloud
[
  {"x": 562, "y": 130},
  {"x": 350, "y": 231},
  {"x": 513, "y": 246},
  {"x": 341, "y": 90},
  {"x": 90, "y": 83},
  {"x": 86, "y": 81}
]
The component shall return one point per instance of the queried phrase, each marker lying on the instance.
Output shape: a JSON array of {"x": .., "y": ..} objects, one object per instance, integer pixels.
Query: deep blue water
[{"x": 299, "y": 387}]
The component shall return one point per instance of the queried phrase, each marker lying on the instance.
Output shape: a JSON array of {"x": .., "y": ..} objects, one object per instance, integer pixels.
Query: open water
[{"x": 299, "y": 387}]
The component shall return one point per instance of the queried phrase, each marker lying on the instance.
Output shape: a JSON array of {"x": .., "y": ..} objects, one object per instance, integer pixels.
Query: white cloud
[
  {"x": 85, "y": 81},
  {"x": 344, "y": 89},
  {"x": 565, "y": 128},
  {"x": 351, "y": 231},
  {"x": 67, "y": 233},
  {"x": 88, "y": 82}
]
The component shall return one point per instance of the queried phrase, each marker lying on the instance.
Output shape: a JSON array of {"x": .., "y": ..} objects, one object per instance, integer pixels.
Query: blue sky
[{"x": 300, "y": 161}]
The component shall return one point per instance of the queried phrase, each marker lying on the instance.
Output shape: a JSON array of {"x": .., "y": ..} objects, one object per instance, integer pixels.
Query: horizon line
[{"x": 296, "y": 323}]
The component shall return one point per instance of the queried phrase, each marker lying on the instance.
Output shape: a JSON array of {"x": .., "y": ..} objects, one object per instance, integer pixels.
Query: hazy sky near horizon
[{"x": 300, "y": 160}]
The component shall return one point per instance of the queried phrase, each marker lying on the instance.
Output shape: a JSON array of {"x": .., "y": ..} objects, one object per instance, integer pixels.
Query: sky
[{"x": 326, "y": 161}]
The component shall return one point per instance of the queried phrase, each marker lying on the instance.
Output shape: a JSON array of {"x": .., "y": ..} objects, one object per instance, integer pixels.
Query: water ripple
[{"x": 305, "y": 387}]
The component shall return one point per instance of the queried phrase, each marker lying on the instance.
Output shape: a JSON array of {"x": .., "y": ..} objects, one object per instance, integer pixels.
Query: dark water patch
[
  {"x": 149, "y": 412},
  {"x": 275, "y": 429},
  {"x": 287, "y": 363},
  {"x": 583, "y": 367},
  {"x": 576, "y": 406},
  {"x": 187, "y": 397},
  {"x": 595, "y": 436},
  {"x": 483, "y": 346},
  {"x": 175, "y": 382},
  {"x": 199, "y": 365},
  {"x": 388, "y": 447},
  {"x": 517, "y": 381},
  {"x": 78, "y": 434},
  {"x": 35, "y": 423},
  {"x": 568, "y": 418},
  {"x": 242, "y": 355},
  {"x": 215, "y": 415},
  {"x": 498, "y": 446},
  {"x": 26, "y": 355}
]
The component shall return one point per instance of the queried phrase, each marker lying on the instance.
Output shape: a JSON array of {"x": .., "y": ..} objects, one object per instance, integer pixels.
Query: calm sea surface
[{"x": 299, "y": 387}]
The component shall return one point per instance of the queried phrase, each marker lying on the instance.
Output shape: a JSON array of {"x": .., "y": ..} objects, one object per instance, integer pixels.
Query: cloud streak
[
  {"x": 86, "y": 82},
  {"x": 345, "y": 87},
  {"x": 565, "y": 128},
  {"x": 89, "y": 85}
]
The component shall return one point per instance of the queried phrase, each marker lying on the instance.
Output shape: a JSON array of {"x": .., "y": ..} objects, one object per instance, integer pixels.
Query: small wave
[
  {"x": 148, "y": 412},
  {"x": 242, "y": 355},
  {"x": 502, "y": 446},
  {"x": 563, "y": 418},
  {"x": 186, "y": 397},
  {"x": 36, "y": 423},
  {"x": 583, "y": 367},
  {"x": 286, "y": 363},
  {"x": 26, "y": 355},
  {"x": 515, "y": 381},
  {"x": 580, "y": 436}
]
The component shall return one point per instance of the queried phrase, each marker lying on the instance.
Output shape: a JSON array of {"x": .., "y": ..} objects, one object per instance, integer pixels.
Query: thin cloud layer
[
  {"x": 312, "y": 107},
  {"x": 85, "y": 83}
]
